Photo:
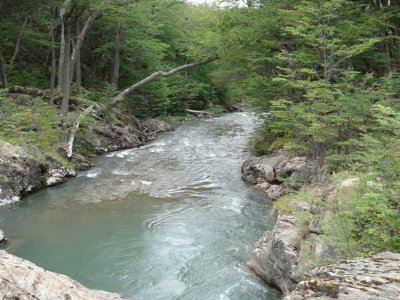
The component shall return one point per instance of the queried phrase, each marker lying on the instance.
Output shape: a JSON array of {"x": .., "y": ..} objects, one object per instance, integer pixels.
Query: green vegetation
[{"x": 324, "y": 76}]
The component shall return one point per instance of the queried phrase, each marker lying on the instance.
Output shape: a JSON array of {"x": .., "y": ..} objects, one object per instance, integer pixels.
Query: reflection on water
[{"x": 169, "y": 220}]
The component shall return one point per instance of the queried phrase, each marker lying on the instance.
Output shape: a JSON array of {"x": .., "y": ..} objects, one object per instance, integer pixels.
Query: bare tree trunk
[
  {"x": 3, "y": 73},
  {"x": 62, "y": 44},
  {"x": 153, "y": 76},
  {"x": 80, "y": 39},
  {"x": 18, "y": 44},
  {"x": 62, "y": 49},
  {"x": 117, "y": 57},
  {"x": 78, "y": 70},
  {"x": 66, "y": 78},
  {"x": 75, "y": 128},
  {"x": 53, "y": 64}
]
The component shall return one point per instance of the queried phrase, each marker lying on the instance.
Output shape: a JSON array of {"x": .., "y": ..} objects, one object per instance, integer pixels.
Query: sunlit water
[{"x": 169, "y": 220}]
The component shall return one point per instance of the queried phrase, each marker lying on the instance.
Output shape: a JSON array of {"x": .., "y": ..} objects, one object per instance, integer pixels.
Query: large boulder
[
  {"x": 23, "y": 280},
  {"x": 278, "y": 174},
  {"x": 275, "y": 256},
  {"x": 19, "y": 173},
  {"x": 112, "y": 137},
  {"x": 258, "y": 170}
]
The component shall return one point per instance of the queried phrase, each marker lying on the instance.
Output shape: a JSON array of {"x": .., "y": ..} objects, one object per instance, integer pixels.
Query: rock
[
  {"x": 276, "y": 254},
  {"x": 273, "y": 192},
  {"x": 376, "y": 277},
  {"x": 154, "y": 126},
  {"x": 288, "y": 167},
  {"x": 19, "y": 173},
  {"x": 111, "y": 138},
  {"x": 282, "y": 256},
  {"x": 56, "y": 173},
  {"x": 3, "y": 238},
  {"x": 21, "y": 279},
  {"x": 262, "y": 169},
  {"x": 81, "y": 163},
  {"x": 278, "y": 174}
]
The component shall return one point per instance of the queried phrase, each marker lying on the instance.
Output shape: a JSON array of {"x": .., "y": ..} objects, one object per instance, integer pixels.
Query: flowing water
[{"x": 169, "y": 220}]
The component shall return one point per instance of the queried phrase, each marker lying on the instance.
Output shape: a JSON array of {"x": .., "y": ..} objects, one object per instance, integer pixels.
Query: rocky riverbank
[
  {"x": 287, "y": 255},
  {"x": 24, "y": 169},
  {"x": 23, "y": 280}
]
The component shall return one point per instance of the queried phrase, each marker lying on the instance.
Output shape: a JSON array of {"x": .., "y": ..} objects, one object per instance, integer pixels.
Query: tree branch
[{"x": 153, "y": 76}]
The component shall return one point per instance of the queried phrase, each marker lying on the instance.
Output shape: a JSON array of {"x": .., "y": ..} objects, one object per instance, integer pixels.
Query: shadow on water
[{"x": 169, "y": 220}]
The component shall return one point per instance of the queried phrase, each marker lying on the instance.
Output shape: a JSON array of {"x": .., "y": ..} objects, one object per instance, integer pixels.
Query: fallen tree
[
  {"x": 153, "y": 76},
  {"x": 199, "y": 112}
]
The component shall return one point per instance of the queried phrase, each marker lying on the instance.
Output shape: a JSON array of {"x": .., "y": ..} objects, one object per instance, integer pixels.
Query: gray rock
[
  {"x": 19, "y": 173},
  {"x": 262, "y": 169},
  {"x": 276, "y": 253},
  {"x": 372, "y": 278},
  {"x": 21, "y": 279},
  {"x": 56, "y": 173},
  {"x": 111, "y": 138},
  {"x": 288, "y": 167},
  {"x": 275, "y": 191}
]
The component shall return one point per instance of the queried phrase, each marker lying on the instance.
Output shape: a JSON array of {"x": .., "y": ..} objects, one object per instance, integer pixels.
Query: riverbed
[{"x": 169, "y": 220}]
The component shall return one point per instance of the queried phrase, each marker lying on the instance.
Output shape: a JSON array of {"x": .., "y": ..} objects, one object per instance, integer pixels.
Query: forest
[{"x": 323, "y": 75}]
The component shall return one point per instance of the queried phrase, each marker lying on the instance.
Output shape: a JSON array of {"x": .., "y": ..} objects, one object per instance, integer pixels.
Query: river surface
[{"x": 169, "y": 220}]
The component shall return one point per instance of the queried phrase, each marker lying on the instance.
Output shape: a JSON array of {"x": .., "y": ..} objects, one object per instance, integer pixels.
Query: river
[{"x": 169, "y": 220}]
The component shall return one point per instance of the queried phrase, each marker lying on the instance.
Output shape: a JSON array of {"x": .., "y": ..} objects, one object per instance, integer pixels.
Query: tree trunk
[
  {"x": 66, "y": 78},
  {"x": 18, "y": 44},
  {"x": 53, "y": 64},
  {"x": 62, "y": 45},
  {"x": 153, "y": 76},
  {"x": 78, "y": 70},
  {"x": 75, "y": 128},
  {"x": 80, "y": 39},
  {"x": 117, "y": 57},
  {"x": 3, "y": 73},
  {"x": 62, "y": 48}
]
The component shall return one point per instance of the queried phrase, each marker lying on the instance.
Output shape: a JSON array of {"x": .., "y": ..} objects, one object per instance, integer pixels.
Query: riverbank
[
  {"x": 289, "y": 256},
  {"x": 29, "y": 160}
]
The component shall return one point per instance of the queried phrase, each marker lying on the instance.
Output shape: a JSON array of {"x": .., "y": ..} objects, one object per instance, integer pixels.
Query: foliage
[{"x": 29, "y": 121}]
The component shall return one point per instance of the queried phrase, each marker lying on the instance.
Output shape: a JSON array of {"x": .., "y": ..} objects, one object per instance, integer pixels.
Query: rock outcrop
[
  {"x": 21, "y": 279},
  {"x": 286, "y": 256},
  {"x": 375, "y": 277},
  {"x": 276, "y": 255},
  {"x": 278, "y": 174},
  {"x": 21, "y": 172}
]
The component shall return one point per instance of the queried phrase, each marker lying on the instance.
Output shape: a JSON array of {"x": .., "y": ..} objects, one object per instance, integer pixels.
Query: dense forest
[{"x": 323, "y": 75}]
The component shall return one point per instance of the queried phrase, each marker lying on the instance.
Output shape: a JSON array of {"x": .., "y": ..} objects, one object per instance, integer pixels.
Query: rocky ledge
[
  {"x": 375, "y": 277},
  {"x": 21, "y": 172},
  {"x": 278, "y": 174},
  {"x": 285, "y": 257},
  {"x": 21, "y": 279}
]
